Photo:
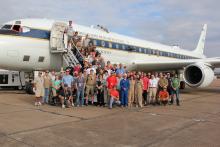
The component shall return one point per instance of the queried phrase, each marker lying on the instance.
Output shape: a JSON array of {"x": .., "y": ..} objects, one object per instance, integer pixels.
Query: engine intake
[{"x": 198, "y": 75}]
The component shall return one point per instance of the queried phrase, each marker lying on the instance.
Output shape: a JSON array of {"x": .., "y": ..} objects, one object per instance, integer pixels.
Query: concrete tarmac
[{"x": 195, "y": 123}]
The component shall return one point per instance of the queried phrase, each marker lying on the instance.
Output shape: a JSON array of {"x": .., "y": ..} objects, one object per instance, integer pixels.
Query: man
[
  {"x": 75, "y": 37},
  {"x": 105, "y": 77},
  {"x": 39, "y": 89},
  {"x": 169, "y": 87},
  {"x": 145, "y": 87},
  {"x": 69, "y": 30},
  {"x": 175, "y": 89},
  {"x": 68, "y": 80},
  {"x": 124, "y": 84},
  {"x": 52, "y": 75},
  {"x": 163, "y": 82},
  {"x": 47, "y": 85},
  {"x": 80, "y": 86},
  {"x": 90, "y": 68},
  {"x": 114, "y": 97},
  {"x": 164, "y": 96},
  {"x": 153, "y": 82},
  {"x": 66, "y": 96},
  {"x": 86, "y": 41},
  {"x": 120, "y": 70},
  {"x": 119, "y": 78},
  {"x": 90, "y": 86},
  {"x": 111, "y": 82}
]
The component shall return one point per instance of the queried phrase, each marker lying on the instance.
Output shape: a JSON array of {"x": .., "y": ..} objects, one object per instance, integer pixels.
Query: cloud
[{"x": 170, "y": 22}]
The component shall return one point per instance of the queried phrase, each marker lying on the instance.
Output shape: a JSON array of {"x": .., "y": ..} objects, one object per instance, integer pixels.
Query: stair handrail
[{"x": 78, "y": 54}]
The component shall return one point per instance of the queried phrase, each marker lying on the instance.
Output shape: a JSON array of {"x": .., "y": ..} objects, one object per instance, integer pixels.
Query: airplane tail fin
[{"x": 201, "y": 44}]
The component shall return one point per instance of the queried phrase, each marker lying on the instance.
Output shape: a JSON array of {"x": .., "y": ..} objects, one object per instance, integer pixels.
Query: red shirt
[
  {"x": 112, "y": 81},
  {"x": 164, "y": 95},
  {"x": 114, "y": 93},
  {"x": 145, "y": 83},
  {"x": 77, "y": 68}
]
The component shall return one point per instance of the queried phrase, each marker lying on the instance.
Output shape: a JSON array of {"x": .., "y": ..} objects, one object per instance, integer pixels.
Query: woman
[
  {"x": 56, "y": 85},
  {"x": 138, "y": 91},
  {"x": 131, "y": 91},
  {"x": 100, "y": 90}
]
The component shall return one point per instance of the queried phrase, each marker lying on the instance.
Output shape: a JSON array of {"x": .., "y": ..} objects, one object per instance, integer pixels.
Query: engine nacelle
[{"x": 198, "y": 75}]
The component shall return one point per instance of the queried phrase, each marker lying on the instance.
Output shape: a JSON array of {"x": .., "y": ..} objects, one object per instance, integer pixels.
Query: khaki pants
[
  {"x": 139, "y": 98},
  {"x": 152, "y": 94},
  {"x": 90, "y": 89},
  {"x": 130, "y": 97}
]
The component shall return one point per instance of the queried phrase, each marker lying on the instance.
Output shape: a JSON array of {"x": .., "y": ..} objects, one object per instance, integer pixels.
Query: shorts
[
  {"x": 152, "y": 92},
  {"x": 89, "y": 90},
  {"x": 39, "y": 92}
]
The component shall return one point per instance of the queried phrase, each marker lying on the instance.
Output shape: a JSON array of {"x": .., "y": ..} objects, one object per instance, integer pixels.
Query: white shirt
[
  {"x": 153, "y": 83},
  {"x": 70, "y": 31},
  {"x": 88, "y": 70}
]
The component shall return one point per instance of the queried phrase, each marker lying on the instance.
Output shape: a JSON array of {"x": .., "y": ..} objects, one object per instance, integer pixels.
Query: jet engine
[{"x": 198, "y": 75}]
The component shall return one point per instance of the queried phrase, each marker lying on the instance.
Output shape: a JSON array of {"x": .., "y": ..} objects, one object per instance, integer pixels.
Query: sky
[{"x": 172, "y": 22}]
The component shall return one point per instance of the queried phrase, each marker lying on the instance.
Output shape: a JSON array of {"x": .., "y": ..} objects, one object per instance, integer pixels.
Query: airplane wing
[{"x": 176, "y": 64}]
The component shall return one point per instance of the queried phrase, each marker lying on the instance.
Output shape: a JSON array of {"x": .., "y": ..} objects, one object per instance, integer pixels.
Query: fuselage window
[
  {"x": 103, "y": 43},
  {"x": 26, "y": 58},
  {"x": 117, "y": 46},
  {"x": 158, "y": 53},
  {"x": 123, "y": 47},
  {"x": 41, "y": 59},
  {"x": 110, "y": 45},
  {"x": 139, "y": 50}
]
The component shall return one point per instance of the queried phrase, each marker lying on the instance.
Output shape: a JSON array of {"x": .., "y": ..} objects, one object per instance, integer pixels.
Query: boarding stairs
[{"x": 58, "y": 39}]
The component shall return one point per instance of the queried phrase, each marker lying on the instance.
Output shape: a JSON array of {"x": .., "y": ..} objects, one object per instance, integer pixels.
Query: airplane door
[
  {"x": 3, "y": 79},
  {"x": 57, "y": 37}
]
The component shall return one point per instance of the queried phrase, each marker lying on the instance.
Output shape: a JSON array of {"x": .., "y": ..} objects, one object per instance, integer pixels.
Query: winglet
[{"x": 201, "y": 44}]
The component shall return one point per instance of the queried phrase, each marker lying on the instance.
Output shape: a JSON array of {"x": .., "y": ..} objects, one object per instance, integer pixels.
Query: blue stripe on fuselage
[
  {"x": 35, "y": 33},
  {"x": 32, "y": 33}
]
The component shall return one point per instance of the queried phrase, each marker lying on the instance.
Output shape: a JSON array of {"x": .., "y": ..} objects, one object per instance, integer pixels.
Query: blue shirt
[
  {"x": 120, "y": 71},
  {"x": 124, "y": 84},
  {"x": 68, "y": 79}
]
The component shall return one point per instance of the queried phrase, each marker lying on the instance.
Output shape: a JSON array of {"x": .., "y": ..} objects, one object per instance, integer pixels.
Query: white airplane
[{"x": 37, "y": 44}]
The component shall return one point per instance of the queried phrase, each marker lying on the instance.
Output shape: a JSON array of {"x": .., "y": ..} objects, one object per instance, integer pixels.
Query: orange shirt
[
  {"x": 164, "y": 95},
  {"x": 112, "y": 81},
  {"x": 114, "y": 93}
]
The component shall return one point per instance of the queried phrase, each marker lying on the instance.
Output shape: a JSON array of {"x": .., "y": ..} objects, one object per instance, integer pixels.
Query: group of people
[
  {"x": 94, "y": 82},
  {"x": 106, "y": 87}
]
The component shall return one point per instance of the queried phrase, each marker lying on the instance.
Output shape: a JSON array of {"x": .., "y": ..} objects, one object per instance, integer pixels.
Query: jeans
[
  {"x": 177, "y": 93},
  {"x": 80, "y": 97},
  {"x": 124, "y": 98},
  {"x": 112, "y": 101},
  {"x": 46, "y": 95}
]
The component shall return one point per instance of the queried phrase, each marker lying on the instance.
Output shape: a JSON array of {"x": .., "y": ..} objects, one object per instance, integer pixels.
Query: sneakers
[
  {"x": 72, "y": 104},
  {"x": 63, "y": 106},
  {"x": 37, "y": 104}
]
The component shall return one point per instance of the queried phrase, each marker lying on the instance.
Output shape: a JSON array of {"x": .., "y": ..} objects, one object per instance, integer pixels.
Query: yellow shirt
[{"x": 47, "y": 81}]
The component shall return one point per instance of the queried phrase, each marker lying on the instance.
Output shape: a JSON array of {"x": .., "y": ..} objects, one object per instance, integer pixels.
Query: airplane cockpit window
[
  {"x": 17, "y": 28},
  {"x": 6, "y": 27}
]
